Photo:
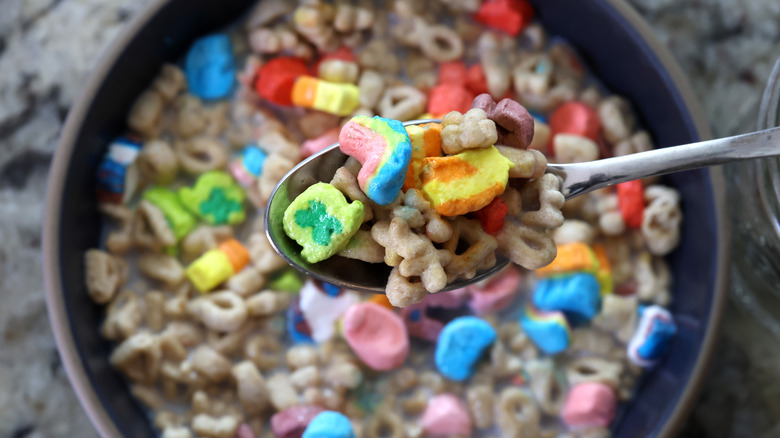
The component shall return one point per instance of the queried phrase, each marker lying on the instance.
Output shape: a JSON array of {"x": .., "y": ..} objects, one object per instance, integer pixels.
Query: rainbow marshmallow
[
  {"x": 384, "y": 149},
  {"x": 652, "y": 337},
  {"x": 549, "y": 330}
]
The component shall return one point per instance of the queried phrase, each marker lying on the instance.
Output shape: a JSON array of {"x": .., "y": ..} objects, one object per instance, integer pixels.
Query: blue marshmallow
[
  {"x": 461, "y": 344},
  {"x": 210, "y": 67},
  {"x": 578, "y": 296},
  {"x": 548, "y": 330},
  {"x": 329, "y": 424},
  {"x": 653, "y": 335}
]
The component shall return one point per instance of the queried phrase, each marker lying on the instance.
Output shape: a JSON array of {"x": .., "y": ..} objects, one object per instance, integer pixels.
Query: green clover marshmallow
[
  {"x": 215, "y": 198},
  {"x": 322, "y": 221}
]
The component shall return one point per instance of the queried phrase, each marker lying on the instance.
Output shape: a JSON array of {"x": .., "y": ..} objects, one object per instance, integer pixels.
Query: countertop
[{"x": 47, "y": 48}]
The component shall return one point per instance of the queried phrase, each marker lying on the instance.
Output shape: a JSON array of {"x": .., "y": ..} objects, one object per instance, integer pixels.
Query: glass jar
[{"x": 754, "y": 201}]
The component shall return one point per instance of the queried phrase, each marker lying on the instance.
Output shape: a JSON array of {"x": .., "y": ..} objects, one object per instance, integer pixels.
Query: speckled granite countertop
[{"x": 47, "y": 47}]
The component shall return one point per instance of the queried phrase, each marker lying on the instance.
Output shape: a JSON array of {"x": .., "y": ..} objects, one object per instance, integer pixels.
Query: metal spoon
[{"x": 577, "y": 179}]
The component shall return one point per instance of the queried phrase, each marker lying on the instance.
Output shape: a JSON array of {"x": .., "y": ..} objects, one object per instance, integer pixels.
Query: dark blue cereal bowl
[{"x": 614, "y": 42}]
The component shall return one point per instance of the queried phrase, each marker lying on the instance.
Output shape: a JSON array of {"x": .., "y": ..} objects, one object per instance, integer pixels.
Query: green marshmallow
[
  {"x": 322, "y": 221},
  {"x": 287, "y": 281},
  {"x": 180, "y": 220},
  {"x": 216, "y": 198}
]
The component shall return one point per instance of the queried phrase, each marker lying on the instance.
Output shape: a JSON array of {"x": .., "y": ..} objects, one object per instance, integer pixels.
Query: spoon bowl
[{"x": 576, "y": 179}]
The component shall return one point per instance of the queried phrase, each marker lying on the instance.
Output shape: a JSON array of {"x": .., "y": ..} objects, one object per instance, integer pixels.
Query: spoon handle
[{"x": 581, "y": 178}]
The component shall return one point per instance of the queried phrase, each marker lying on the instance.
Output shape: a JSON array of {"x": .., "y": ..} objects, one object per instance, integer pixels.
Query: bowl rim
[{"x": 66, "y": 345}]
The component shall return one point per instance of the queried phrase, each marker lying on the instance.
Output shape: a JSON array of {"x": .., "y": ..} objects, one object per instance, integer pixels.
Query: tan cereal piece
[
  {"x": 264, "y": 350},
  {"x": 308, "y": 376},
  {"x": 274, "y": 168},
  {"x": 639, "y": 142},
  {"x": 210, "y": 364},
  {"x": 653, "y": 279},
  {"x": 496, "y": 60},
  {"x": 120, "y": 239},
  {"x": 371, "y": 86},
  {"x": 592, "y": 341},
  {"x": 138, "y": 357},
  {"x": 202, "y": 239},
  {"x": 161, "y": 267},
  {"x": 301, "y": 355},
  {"x": 150, "y": 229},
  {"x": 185, "y": 332},
  {"x": 415, "y": 403},
  {"x": 338, "y": 71},
  {"x": 263, "y": 256},
  {"x": 123, "y": 316},
  {"x": 437, "y": 229},
  {"x": 267, "y": 11},
  {"x": 517, "y": 414},
  {"x": 402, "y": 102},
  {"x": 363, "y": 247},
  {"x": 176, "y": 432},
  {"x": 661, "y": 220},
  {"x": 247, "y": 282},
  {"x": 281, "y": 391},
  {"x": 157, "y": 162},
  {"x": 574, "y": 230},
  {"x": 526, "y": 163},
  {"x": 347, "y": 183},
  {"x": 480, "y": 401},
  {"x": 267, "y": 303},
  {"x": 471, "y": 130},
  {"x": 170, "y": 82},
  {"x": 377, "y": 55},
  {"x": 190, "y": 118},
  {"x": 105, "y": 274},
  {"x": 224, "y": 311},
  {"x": 570, "y": 148},
  {"x": 543, "y": 195},
  {"x": 547, "y": 390},
  {"x": 251, "y": 387},
  {"x": 215, "y": 427},
  {"x": 618, "y": 315},
  {"x": 350, "y": 18},
  {"x": 201, "y": 154},
  {"x": 592, "y": 369},
  {"x": 541, "y": 136},
  {"x": 153, "y": 305},
  {"x": 385, "y": 424},
  {"x": 481, "y": 249},
  {"x": 617, "y": 119},
  {"x": 145, "y": 117},
  {"x": 441, "y": 43},
  {"x": 345, "y": 375}
]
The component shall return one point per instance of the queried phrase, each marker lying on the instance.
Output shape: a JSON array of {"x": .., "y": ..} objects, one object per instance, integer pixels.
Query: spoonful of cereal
[{"x": 433, "y": 205}]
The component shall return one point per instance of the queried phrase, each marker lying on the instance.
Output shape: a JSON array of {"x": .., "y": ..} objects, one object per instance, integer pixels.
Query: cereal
[
  {"x": 460, "y": 345},
  {"x": 322, "y": 221},
  {"x": 446, "y": 415},
  {"x": 329, "y": 424},
  {"x": 262, "y": 350},
  {"x": 377, "y": 335},
  {"x": 589, "y": 404}
]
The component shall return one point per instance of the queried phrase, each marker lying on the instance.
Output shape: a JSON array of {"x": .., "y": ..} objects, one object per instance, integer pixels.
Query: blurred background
[{"x": 47, "y": 49}]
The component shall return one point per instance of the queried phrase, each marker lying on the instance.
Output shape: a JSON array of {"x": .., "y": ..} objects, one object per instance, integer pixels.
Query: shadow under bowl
[{"x": 615, "y": 44}]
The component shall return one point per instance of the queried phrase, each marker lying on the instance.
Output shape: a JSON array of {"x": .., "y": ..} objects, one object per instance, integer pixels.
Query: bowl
[{"x": 613, "y": 41}]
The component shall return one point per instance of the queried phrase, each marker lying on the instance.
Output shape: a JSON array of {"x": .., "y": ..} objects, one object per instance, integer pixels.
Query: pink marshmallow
[
  {"x": 311, "y": 147},
  {"x": 497, "y": 294},
  {"x": 377, "y": 335},
  {"x": 446, "y": 415},
  {"x": 589, "y": 404},
  {"x": 448, "y": 300},
  {"x": 418, "y": 324},
  {"x": 291, "y": 422},
  {"x": 244, "y": 431}
]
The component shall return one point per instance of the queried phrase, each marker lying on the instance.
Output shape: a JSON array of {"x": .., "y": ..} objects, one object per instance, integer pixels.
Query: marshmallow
[
  {"x": 384, "y": 149},
  {"x": 329, "y": 97},
  {"x": 416, "y": 318},
  {"x": 210, "y": 67},
  {"x": 322, "y": 309},
  {"x": 116, "y": 177},
  {"x": 215, "y": 198},
  {"x": 495, "y": 295},
  {"x": 426, "y": 142},
  {"x": 292, "y": 422},
  {"x": 577, "y": 295},
  {"x": 376, "y": 335},
  {"x": 217, "y": 265},
  {"x": 311, "y": 147},
  {"x": 445, "y": 415},
  {"x": 180, "y": 220},
  {"x": 297, "y": 326},
  {"x": 461, "y": 344},
  {"x": 604, "y": 271},
  {"x": 246, "y": 169},
  {"x": 548, "y": 330},
  {"x": 329, "y": 424},
  {"x": 466, "y": 182},
  {"x": 589, "y": 405},
  {"x": 322, "y": 221},
  {"x": 575, "y": 256},
  {"x": 514, "y": 124},
  {"x": 652, "y": 337}
]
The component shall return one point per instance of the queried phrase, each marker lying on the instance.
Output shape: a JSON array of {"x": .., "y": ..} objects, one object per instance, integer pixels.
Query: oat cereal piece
[
  {"x": 653, "y": 279},
  {"x": 610, "y": 220},
  {"x": 267, "y": 303},
  {"x": 592, "y": 341},
  {"x": 494, "y": 52},
  {"x": 274, "y": 168},
  {"x": 123, "y": 316},
  {"x": 617, "y": 119},
  {"x": 210, "y": 364},
  {"x": 170, "y": 82},
  {"x": 215, "y": 427},
  {"x": 481, "y": 247},
  {"x": 263, "y": 256},
  {"x": 145, "y": 116},
  {"x": 661, "y": 220},
  {"x": 529, "y": 163},
  {"x": 466, "y": 131},
  {"x": 437, "y": 229},
  {"x": 268, "y": 11},
  {"x": 504, "y": 364},
  {"x": 157, "y": 162},
  {"x": 516, "y": 413},
  {"x": 545, "y": 386},
  {"x": 190, "y": 119},
  {"x": 441, "y": 43},
  {"x": 138, "y": 357},
  {"x": 570, "y": 148},
  {"x": 105, "y": 274},
  {"x": 385, "y": 423},
  {"x": 371, "y": 85},
  {"x": 119, "y": 240},
  {"x": 264, "y": 350},
  {"x": 347, "y": 183},
  {"x": 639, "y": 142},
  {"x": 480, "y": 400},
  {"x": 618, "y": 315},
  {"x": 223, "y": 311},
  {"x": 153, "y": 306},
  {"x": 176, "y": 432},
  {"x": 574, "y": 230},
  {"x": 281, "y": 391},
  {"x": 246, "y": 282},
  {"x": 151, "y": 229},
  {"x": 226, "y": 343},
  {"x": 348, "y": 18},
  {"x": 592, "y": 369},
  {"x": 201, "y": 154},
  {"x": 163, "y": 268},
  {"x": 363, "y": 247},
  {"x": 251, "y": 387},
  {"x": 401, "y": 102}
]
